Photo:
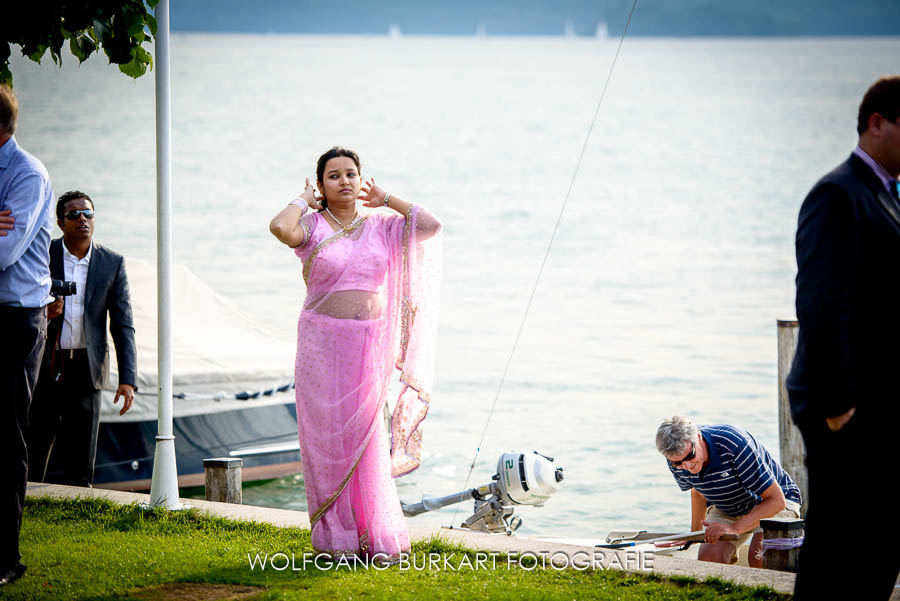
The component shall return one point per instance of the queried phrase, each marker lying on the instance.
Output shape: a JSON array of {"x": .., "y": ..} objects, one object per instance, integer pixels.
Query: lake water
[{"x": 673, "y": 260}]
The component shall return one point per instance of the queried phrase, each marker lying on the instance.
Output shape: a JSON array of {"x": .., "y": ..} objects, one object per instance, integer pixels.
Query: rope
[
  {"x": 781, "y": 544},
  {"x": 547, "y": 253}
]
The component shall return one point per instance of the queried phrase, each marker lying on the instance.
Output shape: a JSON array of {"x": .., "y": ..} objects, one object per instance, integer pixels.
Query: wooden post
[
  {"x": 784, "y": 560},
  {"x": 793, "y": 453},
  {"x": 223, "y": 479}
]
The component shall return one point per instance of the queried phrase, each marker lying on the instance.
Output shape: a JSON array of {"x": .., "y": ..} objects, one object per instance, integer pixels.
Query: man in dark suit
[
  {"x": 65, "y": 413},
  {"x": 843, "y": 387}
]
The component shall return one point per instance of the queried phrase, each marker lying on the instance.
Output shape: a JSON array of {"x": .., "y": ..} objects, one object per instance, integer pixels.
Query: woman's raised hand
[
  {"x": 309, "y": 195},
  {"x": 371, "y": 195}
]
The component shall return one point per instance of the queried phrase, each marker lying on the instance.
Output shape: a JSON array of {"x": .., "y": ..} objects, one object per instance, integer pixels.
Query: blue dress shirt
[{"x": 25, "y": 250}]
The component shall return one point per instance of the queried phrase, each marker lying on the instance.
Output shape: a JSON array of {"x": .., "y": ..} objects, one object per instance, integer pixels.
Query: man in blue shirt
[
  {"x": 26, "y": 219},
  {"x": 734, "y": 484}
]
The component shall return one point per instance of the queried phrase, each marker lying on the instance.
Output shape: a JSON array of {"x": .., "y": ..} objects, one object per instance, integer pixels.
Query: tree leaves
[
  {"x": 36, "y": 53},
  {"x": 120, "y": 28},
  {"x": 5, "y": 75},
  {"x": 138, "y": 65},
  {"x": 102, "y": 31},
  {"x": 151, "y": 24},
  {"x": 82, "y": 46}
]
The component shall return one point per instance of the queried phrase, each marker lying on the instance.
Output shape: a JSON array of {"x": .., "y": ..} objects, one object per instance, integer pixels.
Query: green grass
[{"x": 92, "y": 549}]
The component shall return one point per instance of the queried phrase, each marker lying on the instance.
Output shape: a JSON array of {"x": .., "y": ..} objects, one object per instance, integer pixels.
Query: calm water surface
[{"x": 673, "y": 259}]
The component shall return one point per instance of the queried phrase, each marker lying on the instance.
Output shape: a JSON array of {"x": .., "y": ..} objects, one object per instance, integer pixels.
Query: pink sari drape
[{"x": 371, "y": 308}]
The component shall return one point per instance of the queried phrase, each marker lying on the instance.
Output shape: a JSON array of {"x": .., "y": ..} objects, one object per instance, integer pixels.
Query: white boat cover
[{"x": 217, "y": 348}]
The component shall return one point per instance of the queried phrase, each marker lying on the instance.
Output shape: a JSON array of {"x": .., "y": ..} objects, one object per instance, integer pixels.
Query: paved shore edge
[{"x": 490, "y": 543}]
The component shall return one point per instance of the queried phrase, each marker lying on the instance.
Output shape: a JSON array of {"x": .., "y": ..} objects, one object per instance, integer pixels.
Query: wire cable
[{"x": 547, "y": 253}]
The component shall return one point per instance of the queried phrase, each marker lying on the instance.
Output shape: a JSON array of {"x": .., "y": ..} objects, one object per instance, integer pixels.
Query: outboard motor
[{"x": 522, "y": 478}]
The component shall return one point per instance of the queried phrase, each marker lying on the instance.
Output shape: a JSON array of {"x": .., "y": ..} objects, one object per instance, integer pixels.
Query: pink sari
[{"x": 370, "y": 308}]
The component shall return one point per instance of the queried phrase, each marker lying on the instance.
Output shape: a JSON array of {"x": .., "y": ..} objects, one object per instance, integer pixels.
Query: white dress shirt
[{"x": 72, "y": 335}]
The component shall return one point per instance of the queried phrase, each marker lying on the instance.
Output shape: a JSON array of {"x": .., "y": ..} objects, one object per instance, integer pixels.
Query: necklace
[{"x": 347, "y": 227}]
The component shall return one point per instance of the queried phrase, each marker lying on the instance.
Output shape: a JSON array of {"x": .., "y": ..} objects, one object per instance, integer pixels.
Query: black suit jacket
[
  {"x": 848, "y": 296},
  {"x": 106, "y": 292}
]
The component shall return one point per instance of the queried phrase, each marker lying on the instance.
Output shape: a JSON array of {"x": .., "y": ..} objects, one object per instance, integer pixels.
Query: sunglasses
[
  {"x": 73, "y": 215},
  {"x": 686, "y": 458}
]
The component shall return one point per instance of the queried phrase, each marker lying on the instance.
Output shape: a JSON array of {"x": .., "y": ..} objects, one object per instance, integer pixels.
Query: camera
[{"x": 60, "y": 288}]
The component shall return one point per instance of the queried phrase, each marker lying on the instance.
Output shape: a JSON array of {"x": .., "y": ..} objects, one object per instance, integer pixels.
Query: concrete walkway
[{"x": 529, "y": 551}]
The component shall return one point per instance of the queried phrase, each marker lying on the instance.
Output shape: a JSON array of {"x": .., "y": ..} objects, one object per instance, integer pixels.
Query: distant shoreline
[
  {"x": 585, "y": 38},
  {"x": 572, "y": 18}
]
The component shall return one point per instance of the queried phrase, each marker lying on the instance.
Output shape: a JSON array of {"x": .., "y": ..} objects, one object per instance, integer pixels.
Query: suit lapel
[
  {"x": 94, "y": 268},
  {"x": 57, "y": 267},
  {"x": 888, "y": 204},
  {"x": 57, "y": 272},
  {"x": 873, "y": 182}
]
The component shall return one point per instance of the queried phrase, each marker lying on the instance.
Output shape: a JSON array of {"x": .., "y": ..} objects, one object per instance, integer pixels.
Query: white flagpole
[{"x": 164, "y": 486}]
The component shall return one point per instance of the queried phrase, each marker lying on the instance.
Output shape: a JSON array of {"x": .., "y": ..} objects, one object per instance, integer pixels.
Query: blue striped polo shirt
[{"x": 738, "y": 472}]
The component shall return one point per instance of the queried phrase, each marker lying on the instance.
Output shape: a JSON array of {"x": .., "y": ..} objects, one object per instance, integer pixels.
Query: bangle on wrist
[
  {"x": 301, "y": 203},
  {"x": 387, "y": 198}
]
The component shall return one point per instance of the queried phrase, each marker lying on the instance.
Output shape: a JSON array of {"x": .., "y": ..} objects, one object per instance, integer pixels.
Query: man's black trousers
[
  {"x": 851, "y": 523},
  {"x": 24, "y": 332},
  {"x": 63, "y": 421}
]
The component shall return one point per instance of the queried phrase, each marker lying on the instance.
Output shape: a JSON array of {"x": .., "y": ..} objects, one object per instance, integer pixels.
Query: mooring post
[
  {"x": 793, "y": 453},
  {"x": 223, "y": 479},
  {"x": 781, "y": 540}
]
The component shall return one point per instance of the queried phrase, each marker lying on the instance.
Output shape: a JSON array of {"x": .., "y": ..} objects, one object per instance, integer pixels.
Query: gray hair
[
  {"x": 674, "y": 434},
  {"x": 9, "y": 110}
]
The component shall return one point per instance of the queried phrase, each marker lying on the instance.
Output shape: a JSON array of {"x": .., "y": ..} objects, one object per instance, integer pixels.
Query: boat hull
[{"x": 264, "y": 437}]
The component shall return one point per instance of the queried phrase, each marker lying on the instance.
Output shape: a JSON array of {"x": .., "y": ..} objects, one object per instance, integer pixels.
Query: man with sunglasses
[
  {"x": 734, "y": 483},
  {"x": 65, "y": 414},
  {"x": 26, "y": 201}
]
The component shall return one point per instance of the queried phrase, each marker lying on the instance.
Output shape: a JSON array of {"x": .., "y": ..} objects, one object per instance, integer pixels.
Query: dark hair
[
  {"x": 9, "y": 109},
  {"x": 70, "y": 195},
  {"x": 333, "y": 152},
  {"x": 882, "y": 98}
]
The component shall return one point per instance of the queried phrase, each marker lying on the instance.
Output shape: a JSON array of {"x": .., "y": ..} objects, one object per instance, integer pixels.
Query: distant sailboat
[
  {"x": 480, "y": 30},
  {"x": 602, "y": 32},
  {"x": 394, "y": 31},
  {"x": 569, "y": 29}
]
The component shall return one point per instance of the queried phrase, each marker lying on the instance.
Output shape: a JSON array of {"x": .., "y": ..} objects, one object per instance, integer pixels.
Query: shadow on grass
[
  {"x": 239, "y": 584},
  {"x": 193, "y": 591}
]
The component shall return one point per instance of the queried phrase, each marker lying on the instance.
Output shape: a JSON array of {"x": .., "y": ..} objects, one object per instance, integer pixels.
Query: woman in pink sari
[{"x": 371, "y": 305}]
